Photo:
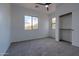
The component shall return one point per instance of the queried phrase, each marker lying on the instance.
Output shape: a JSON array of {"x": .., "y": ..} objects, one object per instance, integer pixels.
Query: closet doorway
[{"x": 65, "y": 27}]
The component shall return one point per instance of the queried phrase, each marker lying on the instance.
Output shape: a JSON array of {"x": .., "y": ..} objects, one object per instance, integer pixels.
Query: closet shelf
[{"x": 66, "y": 29}]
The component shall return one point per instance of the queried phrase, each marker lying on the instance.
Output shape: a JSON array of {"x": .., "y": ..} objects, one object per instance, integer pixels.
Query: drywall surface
[
  {"x": 75, "y": 33},
  {"x": 4, "y": 27},
  {"x": 18, "y": 32},
  {"x": 67, "y": 8}
]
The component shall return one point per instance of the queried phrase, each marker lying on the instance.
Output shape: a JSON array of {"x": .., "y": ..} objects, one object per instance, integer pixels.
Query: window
[
  {"x": 35, "y": 23},
  {"x": 53, "y": 23},
  {"x": 30, "y": 23}
]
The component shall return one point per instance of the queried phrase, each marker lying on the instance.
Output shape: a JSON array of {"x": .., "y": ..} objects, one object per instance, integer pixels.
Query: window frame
[
  {"x": 52, "y": 25},
  {"x": 32, "y": 27}
]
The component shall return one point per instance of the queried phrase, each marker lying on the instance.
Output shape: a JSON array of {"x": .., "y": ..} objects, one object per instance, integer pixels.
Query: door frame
[{"x": 58, "y": 22}]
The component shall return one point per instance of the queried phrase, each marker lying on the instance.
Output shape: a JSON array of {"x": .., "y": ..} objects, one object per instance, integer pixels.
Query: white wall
[
  {"x": 4, "y": 28},
  {"x": 17, "y": 29},
  {"x": 66, "y": 8},
  {"x": 75, "y": 33}
]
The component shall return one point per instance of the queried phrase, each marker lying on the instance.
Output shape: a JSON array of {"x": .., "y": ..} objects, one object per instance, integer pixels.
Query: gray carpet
[{"x": 42, "y": 47}]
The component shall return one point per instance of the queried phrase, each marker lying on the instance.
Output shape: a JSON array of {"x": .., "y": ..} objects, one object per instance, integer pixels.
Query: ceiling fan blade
[
  {"x": 44, "y": 3},
  {"x": 48, "y": 3},
  {"x": 40, "y": 3}
]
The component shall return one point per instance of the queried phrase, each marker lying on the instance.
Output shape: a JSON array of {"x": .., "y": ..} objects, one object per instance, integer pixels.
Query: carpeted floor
[{"x": 42, "y": 47}]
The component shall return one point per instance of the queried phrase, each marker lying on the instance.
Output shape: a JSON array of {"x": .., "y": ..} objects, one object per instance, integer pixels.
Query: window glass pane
[
  {"x": 54, "y": 23},
  {"x": 35, "y": 23},
  {"x": 28, "y": 23},
  {"x": 54, "y": 20},
  {"x": 53, "y": 26}
]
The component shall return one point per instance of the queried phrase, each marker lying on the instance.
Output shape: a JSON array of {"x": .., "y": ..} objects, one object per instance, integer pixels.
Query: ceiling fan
[{"x": 44, "y": 4}]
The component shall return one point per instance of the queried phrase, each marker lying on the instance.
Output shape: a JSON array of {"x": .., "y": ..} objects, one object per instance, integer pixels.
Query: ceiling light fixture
[{"x": 46, "y": 6}]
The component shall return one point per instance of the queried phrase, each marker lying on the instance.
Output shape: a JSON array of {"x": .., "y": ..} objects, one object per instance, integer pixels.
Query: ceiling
[{"x": 41, "y": 8}]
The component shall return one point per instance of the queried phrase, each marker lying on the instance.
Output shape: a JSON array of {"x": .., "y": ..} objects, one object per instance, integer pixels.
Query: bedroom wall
[
  {"x": 17, "y": 28},
  {"x": 5, "y": 19}
]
